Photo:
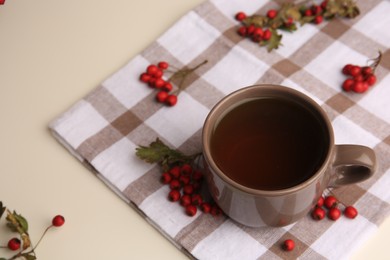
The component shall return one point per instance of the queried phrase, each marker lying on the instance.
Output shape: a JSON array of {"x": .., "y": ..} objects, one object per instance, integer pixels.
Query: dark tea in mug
[{"x": 269, "y": 143}]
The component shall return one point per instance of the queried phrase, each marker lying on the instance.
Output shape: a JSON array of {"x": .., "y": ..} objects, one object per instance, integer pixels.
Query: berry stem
[
  {"x": 376, "y": 61},
  {"x": 40, "y": 239}
]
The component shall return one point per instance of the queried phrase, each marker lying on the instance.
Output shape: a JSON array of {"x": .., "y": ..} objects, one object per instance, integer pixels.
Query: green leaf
[
  {"x": 275, "y": 41},
  {"x": 2, "y": 210},
  {"x": 22, "y": 222},
  {"x": 17, "y": 223},
  {"x": 158, "y": 152},
  {"x": 29, "y": 256},
  {"x": 3, "y": 258}
]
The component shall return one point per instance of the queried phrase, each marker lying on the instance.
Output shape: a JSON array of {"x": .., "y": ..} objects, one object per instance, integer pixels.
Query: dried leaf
[
  {"x": 2, "y": 210},
  {"x": 256, "y": 20}
]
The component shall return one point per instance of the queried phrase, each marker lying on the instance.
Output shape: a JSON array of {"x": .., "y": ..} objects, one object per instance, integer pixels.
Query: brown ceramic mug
[{"x": 269, "y": 154}]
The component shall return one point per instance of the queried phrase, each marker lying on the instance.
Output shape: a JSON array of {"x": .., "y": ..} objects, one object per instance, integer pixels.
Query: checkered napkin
[{"x": 104, "y": 128}]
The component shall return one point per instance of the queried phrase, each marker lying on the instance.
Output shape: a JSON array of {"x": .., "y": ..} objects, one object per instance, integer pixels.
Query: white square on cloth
[
  {"x": 369, "y": 26},
  {"x": 347, "y": 132},
  {"x": 236, "y": 70},
  {"x": 79, "y": 123},
  {"x": 377, "y": 100},
  {"x": 327, "y": 68},
  {"x": 189, "y": 37},
  {"x": 120, "y": 164},
  {"x": 228, "y": 242},
  {"x": 177, "y": 124},
  {"x": 125, "y": 85},
  {"x": 291, "y": 84},
  {"x": 249, "y": 7}
]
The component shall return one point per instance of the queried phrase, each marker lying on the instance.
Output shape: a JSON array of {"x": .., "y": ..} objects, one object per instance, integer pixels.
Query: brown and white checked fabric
[{"x": 103, "y": 129}]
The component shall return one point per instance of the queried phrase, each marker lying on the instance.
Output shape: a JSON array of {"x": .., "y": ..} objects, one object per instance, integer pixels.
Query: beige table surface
[{"x": 52, "y": 53}]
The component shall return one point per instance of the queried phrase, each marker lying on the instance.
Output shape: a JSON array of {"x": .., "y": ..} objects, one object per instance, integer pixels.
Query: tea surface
[{"x": 269, "y": 144}]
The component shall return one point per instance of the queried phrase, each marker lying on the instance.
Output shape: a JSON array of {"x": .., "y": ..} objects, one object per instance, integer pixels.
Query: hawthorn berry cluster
[
  {"x": 329, "y": 206},
  {"x": 263, "y": 29},
  {"x": 185, "y": 185},
  {"x": 155, "y": 78},
  {"x": 18, "y": 224},
  {"x": 360, "y": 79}
]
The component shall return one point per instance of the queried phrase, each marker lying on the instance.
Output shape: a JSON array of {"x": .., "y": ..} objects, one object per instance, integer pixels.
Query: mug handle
[{"x": 352, "y": 164}]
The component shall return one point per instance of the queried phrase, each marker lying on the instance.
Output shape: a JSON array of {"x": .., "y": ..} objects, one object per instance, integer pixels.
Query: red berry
[
  {"x": 14, "y": 244},
  {"x": 174, "y": 184},
  {"x": 171, "y": 100},
  {"x": 188, "y": 189},
  {"x": 289, "y": 22},
  {"x": 240, "y": 16},
  {"x": 347, "y": 84},
  {"x": 271, "y": 14},
  {"x": 184, "y": 180},
  {"x": 152, "y": 69},
  {"x": 371, "y": 79},
  {"x": 318, "y": 213},
  {"x": 191, "y": 210},
  {"x": 196, "y": 199},
  {"x": 242, "y": 31},
  {"x": 166, "y": 178},
  {"x": 320, "y": 202},
  {"x": 250, "y": 29},
  {"x": 163, "y": 65},
  {"x": 350, "y": 212},
  {"x": 346, "y": 69},
  {"x": 205, "y": 207},
  {"x": 185, "y": 200},
  {"x": 288, "y": 244},
  {"x": 161, "y": 96},
  {"x": 167, "y": 87},
  {"x": 358, "y": 77},
  {"x": 174, "y": 195},
  {"x": 316, "y": 9},
  {"x": 145, "y": 77},
  {"x": 159, "y": 83},
  {"x": 215, "y": 210},
  {"x": 366, "y": 71},
  {"x": 324, "y": 4},
  {"x": 267, "y": 35},
  {"x": 355, "y": 70},
  {"x": 330, "y": 202},
  {"x": 197, "y": 175},
  {"x": 360, "y": 87},
  {"x": 318, "y": 19},
  {"x": 334, "y": 213},
  {"x": 308, "y": 12},
  {"x": 175, "y": 172},
  {"x": 58, "y": 221},
  {"x": 186, "y": 169}
]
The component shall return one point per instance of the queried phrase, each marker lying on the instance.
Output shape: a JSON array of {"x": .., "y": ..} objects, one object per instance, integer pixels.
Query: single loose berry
[
  {"x": 271, "y": 14},
  {"x": 166, "y": 178},
  {"x": 163, "y": 65},
  {"x": 288, "y": 244},
  {"x": 240, "y": 16},
  {"x": 14, "y": 244},
  {"x": 330, "y": 202},
  {"x": 185, "y": 200},
  {"x": 205, "y": 207},
  {"x": 318, "y": 213},
  {"x": 191, "y": 210},
  {"x": 350, "y": 212},
  {"x": 174, "y": 195},
  {"x": 171, "y": 100},
  {"x": 267, "y": 35},
  {"x": 161, "y": 96},
  {"x": 334, "y": 213},
  {"x": 58, "y": 221}
]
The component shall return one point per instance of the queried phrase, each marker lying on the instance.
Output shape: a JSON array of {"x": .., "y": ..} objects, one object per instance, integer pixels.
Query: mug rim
[{"x": 207, "y": 128}]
